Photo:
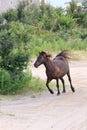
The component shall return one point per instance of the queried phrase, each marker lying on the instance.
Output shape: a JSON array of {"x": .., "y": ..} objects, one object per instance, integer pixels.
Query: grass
[
  {"x": 60, "y": 45},
  {"x": 80, "y": 55},
  {"x": 37, "y": 86},
  {"x": 6, "y": 114}
]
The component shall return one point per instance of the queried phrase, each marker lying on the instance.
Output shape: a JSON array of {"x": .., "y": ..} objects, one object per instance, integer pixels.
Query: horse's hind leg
[
  {"x": 48, "y": 81},
  {"x": 72, "y": 88},
  {"x": 62, "y": 80}
]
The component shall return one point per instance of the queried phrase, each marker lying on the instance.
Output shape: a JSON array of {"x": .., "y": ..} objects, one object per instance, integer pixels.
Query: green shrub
[
  {"x": 84, "y": 20},
  {"x": 11, "y": 15},
  {"x": 15, "y": 83},
  {"x": 14, "y": 57},
  {"x": 65, "y": 22},
  {"x": 21, "y": 9},
  {"x": 5, "y": 79},
  {"x": 37, "y": 85},
  {"x": 1, "y": 19}
]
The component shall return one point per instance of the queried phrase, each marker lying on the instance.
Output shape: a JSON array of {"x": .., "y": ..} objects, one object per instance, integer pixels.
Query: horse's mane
[{"x": 46, "y": 54}]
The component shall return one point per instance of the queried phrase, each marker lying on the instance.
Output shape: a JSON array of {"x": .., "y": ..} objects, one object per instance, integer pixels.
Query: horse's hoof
[
  {"x": 51, "y": 92},
  {"x": 73, "y": 90},
  {"x": 64, "y": 91},
  {"x": 58, "y": 94}
]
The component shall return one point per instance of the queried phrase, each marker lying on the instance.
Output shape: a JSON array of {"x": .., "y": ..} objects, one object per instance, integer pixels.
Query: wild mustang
[{"x": 55, "y": 69}]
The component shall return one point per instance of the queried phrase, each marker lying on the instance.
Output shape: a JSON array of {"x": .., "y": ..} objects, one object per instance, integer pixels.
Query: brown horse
[{"x": 55, "y": 69}]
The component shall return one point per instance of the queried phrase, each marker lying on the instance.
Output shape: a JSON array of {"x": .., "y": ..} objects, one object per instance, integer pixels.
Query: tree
[
  {"x": 72, "y": 8},
  {"x": 84, "y": 2}
]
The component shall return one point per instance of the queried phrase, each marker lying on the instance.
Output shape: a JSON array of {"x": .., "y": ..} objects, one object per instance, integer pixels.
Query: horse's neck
[{"x": 48, "y": 64}]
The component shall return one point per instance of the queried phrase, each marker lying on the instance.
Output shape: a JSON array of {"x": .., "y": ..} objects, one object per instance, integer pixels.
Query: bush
[
  {"x": 1, "y": 19},
  {"x": 31, "y": 15},
  {"x": 11, "y": 15},
  {"x": 5, "y": 79},
  {"x": 13, "y": 84},
  {"x": 14, "y": 57},
  {"x": 84, "y": 20},
  {"x": 65, "y": 23}
]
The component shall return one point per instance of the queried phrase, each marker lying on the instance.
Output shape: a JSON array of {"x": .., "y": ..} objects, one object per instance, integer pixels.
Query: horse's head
[{"x": 41, "y": 58}]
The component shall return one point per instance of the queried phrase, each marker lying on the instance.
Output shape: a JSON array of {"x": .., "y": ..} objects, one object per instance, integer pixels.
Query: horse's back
[{"x": 62, "y": 63}]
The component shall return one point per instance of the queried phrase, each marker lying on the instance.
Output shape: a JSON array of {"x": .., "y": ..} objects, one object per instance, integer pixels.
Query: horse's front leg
[
  {"x": 57, "y": 84},
  {"x": 48, "y": 81}
]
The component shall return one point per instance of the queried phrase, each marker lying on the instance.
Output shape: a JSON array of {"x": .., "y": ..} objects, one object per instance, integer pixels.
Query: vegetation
[{"x": 29, "y": 29}]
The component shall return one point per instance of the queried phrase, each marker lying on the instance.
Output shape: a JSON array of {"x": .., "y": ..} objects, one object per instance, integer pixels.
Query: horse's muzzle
[{"x": 35, "y": 65}]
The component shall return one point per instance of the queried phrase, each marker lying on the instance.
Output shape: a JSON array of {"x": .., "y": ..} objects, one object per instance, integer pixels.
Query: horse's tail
[{"x": 65, "y": 53}]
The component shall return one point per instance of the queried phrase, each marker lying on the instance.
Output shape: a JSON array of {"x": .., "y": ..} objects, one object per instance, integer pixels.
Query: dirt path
[{"x": 49, "y": 112}]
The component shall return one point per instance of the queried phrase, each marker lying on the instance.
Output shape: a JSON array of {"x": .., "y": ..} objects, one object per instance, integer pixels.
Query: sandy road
[{"x": 49, "y": 112}]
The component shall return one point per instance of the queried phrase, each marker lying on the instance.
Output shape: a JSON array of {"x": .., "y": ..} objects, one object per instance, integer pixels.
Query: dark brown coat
[{"x": 55, "y": 69}]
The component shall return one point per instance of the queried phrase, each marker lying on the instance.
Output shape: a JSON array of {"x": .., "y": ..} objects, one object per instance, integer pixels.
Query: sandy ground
[{"x": 49, "y": 112}]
